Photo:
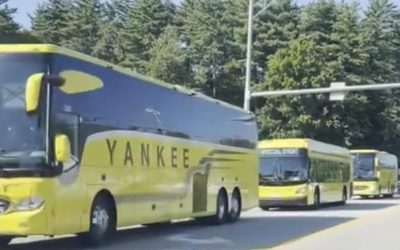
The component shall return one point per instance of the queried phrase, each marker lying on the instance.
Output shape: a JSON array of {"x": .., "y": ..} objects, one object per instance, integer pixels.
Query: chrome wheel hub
[
  {"x": 235, "y": 206},
  {"x": 221, "y": 210},
  {"x": 100, "y": 219}
]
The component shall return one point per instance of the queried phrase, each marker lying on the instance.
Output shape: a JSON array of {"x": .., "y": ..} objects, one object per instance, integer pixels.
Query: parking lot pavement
[
  {"x": 256, "y": 230},
  {"x": 378, "y": 230}
]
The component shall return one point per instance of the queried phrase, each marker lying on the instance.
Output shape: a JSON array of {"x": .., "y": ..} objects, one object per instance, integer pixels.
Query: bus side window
[
  {"x": 68, "y": 124},
  {"x": 318, "y": 171},
  {"x": 311, "y": 170},
  {"x": 148, "y": 120}
]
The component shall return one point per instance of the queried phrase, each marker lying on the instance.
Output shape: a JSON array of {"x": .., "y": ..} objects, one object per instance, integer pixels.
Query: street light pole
[
  {"x": 247, "y": 90},
  {"x": 247, "y": 93}
]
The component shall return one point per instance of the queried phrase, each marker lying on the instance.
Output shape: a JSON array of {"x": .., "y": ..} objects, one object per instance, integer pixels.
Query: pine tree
[
  {"x": 146, "y": 20},
  {"x": 352, "y": 60},
  {"x": 210, "y": 35},
  {"x": 167, "y": 61},
  {"x": 274, "y": 29},
  {"x": 108, "y": 46},
  {"x": 378, "y": 38},
  {"x": 345, "y": 37},
  {"x": 7, "y": 24},
  {"x": 317, "y": 19},
  {"x": 50, "y": 21},
  {"x": 381, "y": 37},
  {"x": 84, "y": 25}
]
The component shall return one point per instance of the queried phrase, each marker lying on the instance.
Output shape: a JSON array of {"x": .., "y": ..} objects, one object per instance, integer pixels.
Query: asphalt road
[{"x": 256, "y": 230}]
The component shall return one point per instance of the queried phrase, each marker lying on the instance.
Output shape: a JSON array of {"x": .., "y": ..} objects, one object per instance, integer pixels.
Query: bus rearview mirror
[
  {"x": 32, "y": 92},
  {"x": 33, "y": 88},
  {"x": 62, "y": 148}
]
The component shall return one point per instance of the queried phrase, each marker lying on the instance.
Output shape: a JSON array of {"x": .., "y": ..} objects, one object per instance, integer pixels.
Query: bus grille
[{"x": 3, "y": 206}]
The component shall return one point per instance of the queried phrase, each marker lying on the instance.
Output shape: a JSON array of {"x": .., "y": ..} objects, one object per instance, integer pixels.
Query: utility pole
[
  {"x": 247, "y": 92},
  {"x": 247, "y": 87}
]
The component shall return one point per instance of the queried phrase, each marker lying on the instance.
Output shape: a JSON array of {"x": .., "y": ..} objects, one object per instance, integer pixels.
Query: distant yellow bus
[
  {"x": 375, "y": 173},
  {"x": 303, "y": 172},
  {"x": 87, "y": 147}
]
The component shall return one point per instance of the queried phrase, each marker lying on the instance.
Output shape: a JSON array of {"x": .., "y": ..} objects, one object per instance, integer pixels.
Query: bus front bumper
[
  {"x": 283, "y": 202},
  {"x": 366, "y": 188},
  {"x": 24, "y": 223}
]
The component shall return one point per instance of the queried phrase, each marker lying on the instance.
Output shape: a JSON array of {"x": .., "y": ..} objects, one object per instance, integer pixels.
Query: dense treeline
[{"x": 201, "y": 44}]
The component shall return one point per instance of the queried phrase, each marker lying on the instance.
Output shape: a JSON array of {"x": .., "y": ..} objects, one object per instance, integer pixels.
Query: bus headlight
[
  {"x": 29, "y": 204},
  {"x": 301, "y": 190}
]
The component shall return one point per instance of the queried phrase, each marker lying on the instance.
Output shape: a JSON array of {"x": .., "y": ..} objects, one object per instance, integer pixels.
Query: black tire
[
  {"x": 236, "y": 206},
  {"x": 5, "y": 240},
  {"x": 265, "y": 208},
  {"x": 344, "y": 197},
  {"x": 388, "y": 196},
  {"x": 221, "y": 213},
  {"x": 317, "y": 200},
  {"x": 102, "y": 222}
]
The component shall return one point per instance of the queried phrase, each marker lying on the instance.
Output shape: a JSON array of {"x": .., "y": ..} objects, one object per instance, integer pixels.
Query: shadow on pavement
[
  {"x": 360, "y": 204},
  {"x": 249, "y": 233}
]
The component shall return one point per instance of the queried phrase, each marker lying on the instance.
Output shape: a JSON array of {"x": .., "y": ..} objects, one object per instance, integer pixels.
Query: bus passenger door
[{"x": 69, "y": 191}]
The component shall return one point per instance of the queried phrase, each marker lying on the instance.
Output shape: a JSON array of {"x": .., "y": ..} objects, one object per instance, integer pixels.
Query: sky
[{"x": 26, "y": 7}]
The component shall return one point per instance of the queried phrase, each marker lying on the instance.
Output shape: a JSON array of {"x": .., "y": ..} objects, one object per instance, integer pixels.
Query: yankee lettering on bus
[{"x": 141, "y": 155}]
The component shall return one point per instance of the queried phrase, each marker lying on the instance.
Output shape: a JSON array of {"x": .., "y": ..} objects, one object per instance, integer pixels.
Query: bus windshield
[
  {"x": 22, "y": 137},
  {"x": 364, "y": 166},
  {"x": 275, "y": 170}
]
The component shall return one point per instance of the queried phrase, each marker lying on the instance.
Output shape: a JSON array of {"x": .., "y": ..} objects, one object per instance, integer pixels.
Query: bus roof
[
  {"x": 50, "y": 48},
  {"x": 373, "y": 151},
  {"x": 310, "y": 144}
]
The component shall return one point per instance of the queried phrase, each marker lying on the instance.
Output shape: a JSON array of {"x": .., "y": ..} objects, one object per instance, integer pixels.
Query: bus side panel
[
  {"x": 164, "y": 185},
  {"x": 160, "y": 118},
  {"x": 387, "y": 169},
  {"x": 331, "y": 174}
]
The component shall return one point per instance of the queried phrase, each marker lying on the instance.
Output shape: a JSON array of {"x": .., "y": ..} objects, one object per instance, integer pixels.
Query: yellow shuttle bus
[
  {"x": 303, "y": 172},
  {"x": 87, "y": 147},
  {"x": 375, "y": 173}
]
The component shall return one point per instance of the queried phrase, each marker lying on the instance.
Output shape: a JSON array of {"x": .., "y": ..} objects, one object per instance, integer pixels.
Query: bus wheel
[
  {"x": 222, "y": 209},
  {"x": 317, "y": 200},
  {"x": 236, "y": 206},
  {"x": 102, "y": 222},
  {"x": 344, "y": 196},
  {"x": 5, "y": 240}
]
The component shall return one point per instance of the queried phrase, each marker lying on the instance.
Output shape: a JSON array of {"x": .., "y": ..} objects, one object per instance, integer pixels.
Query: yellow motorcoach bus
[
  {"x": 303, "y": 172},
  {"x": 375, "y": 173},
  {"x": 87, "y": 147}
]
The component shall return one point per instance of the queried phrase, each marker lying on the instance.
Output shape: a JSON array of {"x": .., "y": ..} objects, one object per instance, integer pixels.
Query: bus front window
[
  {"x": 275, "y": 170},
  {"x": 22, "y": 136},
  {"x": 364, "y": 166}
]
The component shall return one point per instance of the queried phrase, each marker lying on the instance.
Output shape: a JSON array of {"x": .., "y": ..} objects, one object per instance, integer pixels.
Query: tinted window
[
  {"x": 364, "y": 166},
  {"x": 22, "y": 137}
]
